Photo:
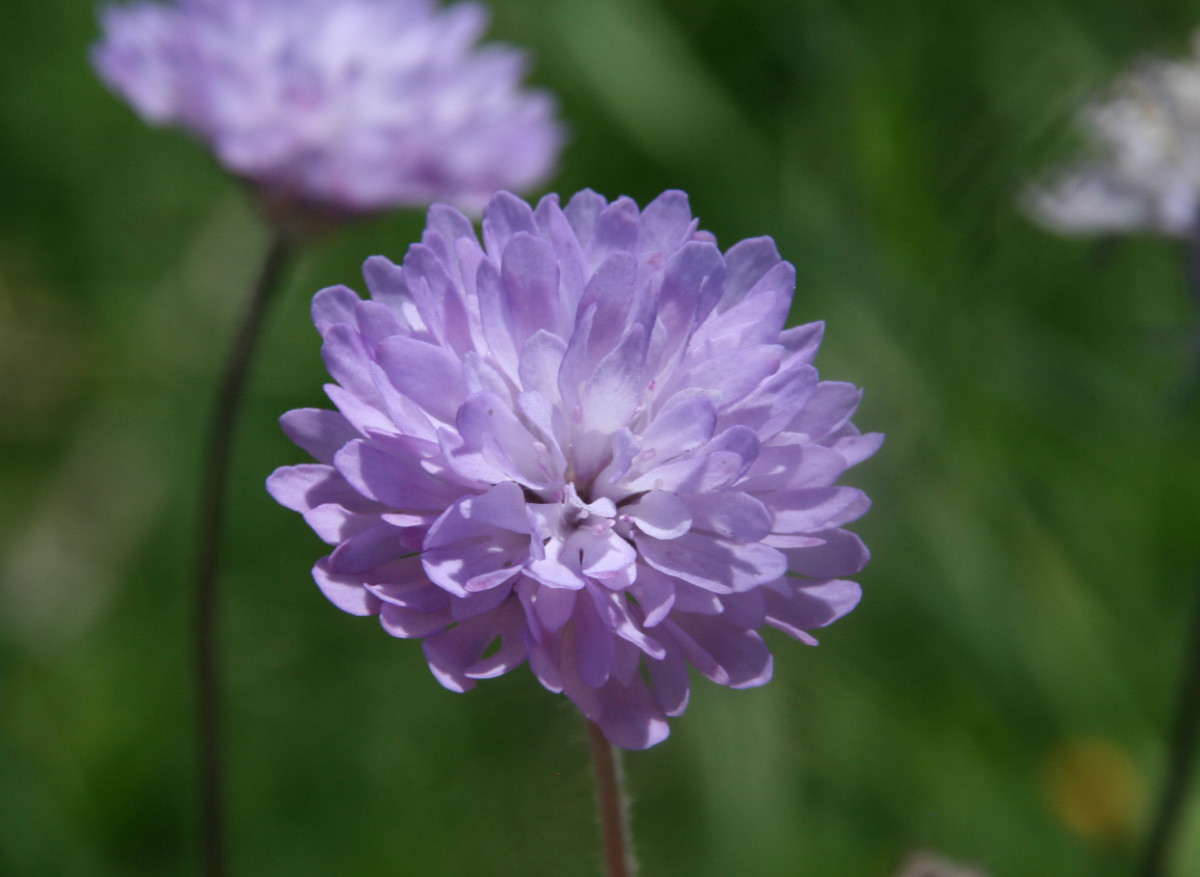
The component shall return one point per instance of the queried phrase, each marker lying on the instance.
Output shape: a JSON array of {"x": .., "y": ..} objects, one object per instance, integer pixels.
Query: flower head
[
  {"x": 588, "y": 444},
  {"x": 345, "y": 105},
  {"x": 1147, "y": 173}
]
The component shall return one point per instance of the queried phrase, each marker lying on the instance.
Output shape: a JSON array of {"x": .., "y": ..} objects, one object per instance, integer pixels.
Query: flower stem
[
  {"x": 612, "y": 805},
  {"x": 1181, "y": 757},
  {"x": 208, "y": 558},
  {"x": 1191, "y": 386}
]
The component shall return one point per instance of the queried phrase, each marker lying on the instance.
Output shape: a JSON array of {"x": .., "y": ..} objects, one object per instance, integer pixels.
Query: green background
[{"x": 1000, "y": 696}]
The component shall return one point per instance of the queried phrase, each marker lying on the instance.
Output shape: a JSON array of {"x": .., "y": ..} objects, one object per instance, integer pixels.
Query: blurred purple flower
[
  {"x": 343, "y": 105},
  {"x": 589, "y": 444}
]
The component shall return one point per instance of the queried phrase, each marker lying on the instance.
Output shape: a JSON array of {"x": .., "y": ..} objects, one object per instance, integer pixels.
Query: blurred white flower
[
  {"x": 1146, "y": 174},
  {"x": 925, "y": 864}
]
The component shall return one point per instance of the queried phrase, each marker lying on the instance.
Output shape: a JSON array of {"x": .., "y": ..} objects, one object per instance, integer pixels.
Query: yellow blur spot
[{"x": 1095, "y": 789}]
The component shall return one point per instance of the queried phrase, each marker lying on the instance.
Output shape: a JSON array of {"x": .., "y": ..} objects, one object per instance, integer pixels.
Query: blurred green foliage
[{"x": 1001, "y": 695}]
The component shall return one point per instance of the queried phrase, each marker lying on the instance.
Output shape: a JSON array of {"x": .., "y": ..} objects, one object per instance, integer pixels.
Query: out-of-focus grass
[{"x": 1000, "y": 695}]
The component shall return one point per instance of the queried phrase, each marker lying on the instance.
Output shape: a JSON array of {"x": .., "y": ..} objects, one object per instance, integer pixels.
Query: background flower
[
  {"x": 589, "y": 444},
  {"x": 353, "y": 104},
  {"x": 1147, "y": 173}
]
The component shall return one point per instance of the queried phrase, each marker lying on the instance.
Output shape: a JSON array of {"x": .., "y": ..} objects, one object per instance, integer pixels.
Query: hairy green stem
[{"x": 612, "y": 805}]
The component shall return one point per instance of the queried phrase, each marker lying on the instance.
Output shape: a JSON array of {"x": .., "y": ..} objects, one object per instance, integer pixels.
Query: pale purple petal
[
  {"x": 541, "y": 359},
  {"x": 490, "y": 429},
  {"x": 790, "y": 465},
  {"x": 827, "y": 555},
  {"x": 559, "y": 567},
  {"x": 685, "y": 423},
  {"x": 606, "y": 556},
  {"x": 746, "y": 609},
  {"x": 368, "y": 417},
  {"x": 655, "y": 594},
  {"x": 373, "y": 547},
  {"x": 774, "y": 402},
  {"x": 801, "y": 608},
  {"x": 818, "y": 508},
  {"x": 612, "y": 392},
  {"x": 726, "y": 654},
  {"x": 506, "y": 215},
  {"x": 732, "y": 514},
  {"x": 333, "y": 305},
  {"x": 660, "y": 514},
  {"x": 666, "y": 223},
  {"x": 344, "y": 591},
  {"x": 349, "y": 361},
  {"x": 594, "y": 646},
  {"x": 400, "y": 621},
  {"x": 496, "y": 318},
  {"x": 431, "y": 376},
  {"x": 691, "y": 286},
  {"x": 715, "y": 564},
  {"x": 691, "y": 475},
  {"x": 856, "y": 448},
  {"x": 309, "y": 485},
  {"x": 802, "y": 342},
  {"x": 529, "y": 275},
  {"x": 456, "y": 655},
  {"x": 610, "y": 293},
  {"x": 479, "y": 543},
  {"x": 731, "y": 376},
  {"x": 745, "y": 264},
  {"x": 395, "y": 481},
  {"x": 554, "y": 606},
  {"x": 689, "y": 598},
  {"x": 335, "y": 523},
  {"x": 829, "y": 408},
  {"x": 616, "y": 231},
  {"x": 672, "y": 687},
  {"x": 319, "y": 431}
]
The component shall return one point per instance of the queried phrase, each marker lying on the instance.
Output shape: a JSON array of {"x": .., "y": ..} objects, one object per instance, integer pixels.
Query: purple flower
[
  {"x": 348, "y": 105},
  {"x": 588, "y": 444}
]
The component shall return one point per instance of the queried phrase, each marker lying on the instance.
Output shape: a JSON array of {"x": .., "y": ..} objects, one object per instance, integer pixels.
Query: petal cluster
[
  {"x": 1146, "y": 174},
  {"x": 355, "y": 105},
  {"x": 589, "y": 444}
]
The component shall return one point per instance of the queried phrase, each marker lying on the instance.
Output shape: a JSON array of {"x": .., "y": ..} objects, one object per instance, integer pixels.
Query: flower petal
[
  {"x": 660, "y": 514},
  {"x": 393, "y": 480},
  {"x": 833, "y": 553},
  {"x": 816, "y": 508},
  {"x": 714, "y": 564},
  {"x": 319, "y": 431},
  {"x": 685, "y": 423},
  {"x": 830, "y": 407},
  {"x": 529, "y": 275},
  {"x": 428, "y": 374},
  {"x": 593, "y": 644},
  {"x": 655, "y": 594},
  {"x": 456, "y": 655},
  {"x": 344, "y": 592},
  {"x": 799, "y": 608},
  {"x": 724, "y": 653},
  {"x": 731, "y": 514}
]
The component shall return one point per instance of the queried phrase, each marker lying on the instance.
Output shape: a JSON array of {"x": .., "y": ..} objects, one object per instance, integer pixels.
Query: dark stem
[
  {"x": 1181, "y": 758},
  {"x": 1191, "y": 385},
  {"x": 208, "y": 561},
  {"x": 612, "y": 805}
]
